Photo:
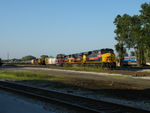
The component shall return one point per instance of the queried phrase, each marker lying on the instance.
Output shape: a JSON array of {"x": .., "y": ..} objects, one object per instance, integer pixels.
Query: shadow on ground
[
  {"x": 131, "y": 68},
  {"x": 130, "y": 94}
]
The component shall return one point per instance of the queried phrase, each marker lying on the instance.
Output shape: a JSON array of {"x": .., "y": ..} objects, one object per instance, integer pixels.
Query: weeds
[
  {"x": 80, "y": 68},
  {"x": 27, "y": 76}
]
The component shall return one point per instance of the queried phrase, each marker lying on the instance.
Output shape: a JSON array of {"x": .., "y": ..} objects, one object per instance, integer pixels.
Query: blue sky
[{"x": 37, "y": 27}]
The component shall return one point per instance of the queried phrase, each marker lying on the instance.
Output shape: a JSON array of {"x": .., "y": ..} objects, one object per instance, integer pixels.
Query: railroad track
[{"x": 77, "y": 103}]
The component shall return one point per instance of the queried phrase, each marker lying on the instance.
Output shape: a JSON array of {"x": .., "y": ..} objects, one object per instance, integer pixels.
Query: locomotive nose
[{"x": 108, "y": 57}]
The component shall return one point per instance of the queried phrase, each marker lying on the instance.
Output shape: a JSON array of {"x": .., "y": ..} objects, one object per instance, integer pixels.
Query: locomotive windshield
[{"x": 103, "y": 51}]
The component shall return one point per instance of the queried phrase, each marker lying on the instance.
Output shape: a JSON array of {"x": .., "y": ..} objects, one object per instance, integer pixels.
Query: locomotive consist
[
  {"x": 46, "y": 61},
  {"x": 99, "y": 58}
]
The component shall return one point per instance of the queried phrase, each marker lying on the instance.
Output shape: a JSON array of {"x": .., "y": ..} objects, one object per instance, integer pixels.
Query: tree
[
  {"x": 122, "y": 35},
  {"x": 134, "y": 32},
  {"x": 132, "y": 53},
  {"x": 145, "y": 18},
  {"x": 0, "y": 62},
  {"x": 44, "y": 56},
  {"x": 136, "y": 37},
  {"x": 29, "y": 57},
  {"x": 60, "y": 55},
  {"x": 117, "y": 47},
  {"x": 140, "y": 34}
]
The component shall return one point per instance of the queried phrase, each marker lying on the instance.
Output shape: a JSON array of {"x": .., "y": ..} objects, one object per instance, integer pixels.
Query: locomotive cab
[{"x": 108, "y": 57}]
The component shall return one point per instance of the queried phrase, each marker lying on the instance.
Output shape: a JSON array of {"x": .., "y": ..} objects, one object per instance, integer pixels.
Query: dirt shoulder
[
  {"x": 114, "y": 80},
  {"x": 132, "y": 71}
]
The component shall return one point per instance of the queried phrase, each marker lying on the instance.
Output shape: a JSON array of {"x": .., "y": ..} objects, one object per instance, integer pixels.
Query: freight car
[
  {"x": 38, "y": 61},
  {"x": 46, "y": 61},
  {"x": 50, "y": 60},
  {"x": 99, "y": 58}
]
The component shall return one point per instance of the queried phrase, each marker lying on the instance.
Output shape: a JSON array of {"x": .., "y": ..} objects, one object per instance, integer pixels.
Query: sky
[{"x": 50, "y": 27}]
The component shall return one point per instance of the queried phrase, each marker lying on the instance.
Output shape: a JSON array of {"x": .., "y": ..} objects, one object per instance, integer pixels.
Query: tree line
[
  {"x": 30, "y": 57},
  {"x": 133, "y": 32}
]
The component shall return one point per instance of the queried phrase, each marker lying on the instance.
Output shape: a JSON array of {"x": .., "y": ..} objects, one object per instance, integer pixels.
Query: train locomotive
[{"x": 98, "y": 58}]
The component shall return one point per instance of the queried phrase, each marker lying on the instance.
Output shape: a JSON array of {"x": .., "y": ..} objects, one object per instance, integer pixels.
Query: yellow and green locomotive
[{"x": 99, "y": 58}]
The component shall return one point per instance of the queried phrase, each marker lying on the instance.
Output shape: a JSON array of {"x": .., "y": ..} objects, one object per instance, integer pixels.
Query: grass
[
  {"x": 106, "y": 70},
  {"x": 81, "y": 68},
  {"x": 27, "y": 76},
  {"x": 52, "y": 80},
  {"x": 61, "y": 82}
]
